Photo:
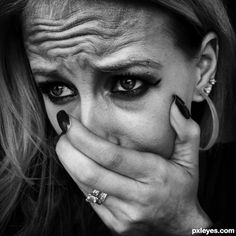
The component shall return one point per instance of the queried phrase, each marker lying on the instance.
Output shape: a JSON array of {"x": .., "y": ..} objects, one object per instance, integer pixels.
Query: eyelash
[
  {"x": 146, "y": 82},
  {"x": 47, "y": 87}
]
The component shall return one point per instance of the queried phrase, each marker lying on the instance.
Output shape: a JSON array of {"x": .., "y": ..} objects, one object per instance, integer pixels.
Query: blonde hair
[
  {"x": 24, "y": 128},
  {"x": 21, "y": 119}
]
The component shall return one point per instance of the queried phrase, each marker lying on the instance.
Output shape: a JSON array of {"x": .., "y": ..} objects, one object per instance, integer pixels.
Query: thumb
[{"x": 188, "y": 134}]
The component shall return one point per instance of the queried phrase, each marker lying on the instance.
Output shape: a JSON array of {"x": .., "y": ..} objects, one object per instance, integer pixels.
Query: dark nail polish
[
  {"x": 182, "y": 107},
  {"x": 63, "y": 121}
]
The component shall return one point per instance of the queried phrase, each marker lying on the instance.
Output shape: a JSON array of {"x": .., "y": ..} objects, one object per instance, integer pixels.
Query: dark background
[
  {"x": 231, "y": 7},
  {"x": 230, "y": 131}
]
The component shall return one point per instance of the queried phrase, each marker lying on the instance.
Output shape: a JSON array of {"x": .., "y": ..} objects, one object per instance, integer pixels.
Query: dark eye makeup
[
  {"x": 132, "y": 86},
  {"x": 57, "y": 91},
  {"x": 125, "y": 86}
]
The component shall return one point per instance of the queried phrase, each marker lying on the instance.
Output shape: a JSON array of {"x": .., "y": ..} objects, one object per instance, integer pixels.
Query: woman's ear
[{"x": 206, "y": 64}]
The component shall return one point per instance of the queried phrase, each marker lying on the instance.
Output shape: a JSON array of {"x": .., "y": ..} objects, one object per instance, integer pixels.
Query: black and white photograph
[{"x": 117, "y": 117}]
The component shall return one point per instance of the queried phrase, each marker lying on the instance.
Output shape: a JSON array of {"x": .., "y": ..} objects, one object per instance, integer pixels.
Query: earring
[
  {"x": 208, "y": 88},
  {"x": 215, "y": 120}
]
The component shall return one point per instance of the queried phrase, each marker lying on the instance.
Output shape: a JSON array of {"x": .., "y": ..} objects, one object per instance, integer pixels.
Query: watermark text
[{"x": 212, "y": 231}]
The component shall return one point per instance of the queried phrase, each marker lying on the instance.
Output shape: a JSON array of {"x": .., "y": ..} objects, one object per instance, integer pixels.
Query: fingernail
[
  {"x": 182, "y": 107},
  {"x": 63, "y": 121}
]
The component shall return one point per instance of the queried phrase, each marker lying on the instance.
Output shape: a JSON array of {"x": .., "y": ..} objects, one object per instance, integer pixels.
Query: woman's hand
[{"x": 147, "y": 193}]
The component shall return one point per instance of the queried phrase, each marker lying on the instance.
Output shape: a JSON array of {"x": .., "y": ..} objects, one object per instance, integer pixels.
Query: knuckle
[
  {"x": 135, "y": 216},
  {"x": 191, "y": 132},
  {"x": 143, "y": 194},
  {"x": 145, "y": 197},
  {"x": 88, "y": 177},
  {"x": 157, "y": 172},
  {"x": 121, "y": 228},
  {"x": 148, "y": 196},
  {"x": 194, "y": 130},
  {"x": 132, "y": 217}
]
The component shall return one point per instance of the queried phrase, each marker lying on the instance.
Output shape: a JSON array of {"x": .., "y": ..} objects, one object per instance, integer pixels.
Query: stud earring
[{"x": 208, "y": 88}]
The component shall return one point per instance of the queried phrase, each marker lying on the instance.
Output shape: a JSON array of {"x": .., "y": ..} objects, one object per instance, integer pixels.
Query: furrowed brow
[
  {"x": 128, "y": 63},
  {"x": 48, "y": 73},
  {"x": 112, "y": 68}
]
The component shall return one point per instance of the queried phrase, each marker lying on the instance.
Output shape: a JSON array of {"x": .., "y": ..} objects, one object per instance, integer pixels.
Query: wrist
[{"x": 195, "y": 219}]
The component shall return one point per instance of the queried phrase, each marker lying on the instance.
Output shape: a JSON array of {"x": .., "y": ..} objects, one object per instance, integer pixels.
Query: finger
[
  {"x": 86, "y": 171},
  {"x": 188, "y": 133},
  {"x": 104, "y": 211},
  {"x": 111, "y": 202},
  {"x": 114, "y": 210},
  {"x": 127, "y": 162}
]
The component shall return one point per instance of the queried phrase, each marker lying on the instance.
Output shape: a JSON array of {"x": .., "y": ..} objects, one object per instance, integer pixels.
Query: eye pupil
[
  {"x": 57, "y": 90},
  {"x": 128, "y": 84}
]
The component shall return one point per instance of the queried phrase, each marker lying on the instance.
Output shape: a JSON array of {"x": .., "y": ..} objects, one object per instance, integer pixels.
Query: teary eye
[
  {"x": 129, "y": 85},
  {"x": 60, "y": 91},
  {"x": 57, "y": 91}
]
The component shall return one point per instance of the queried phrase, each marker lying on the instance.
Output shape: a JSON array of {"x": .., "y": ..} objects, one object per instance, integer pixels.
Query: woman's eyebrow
[
  {"x": 128, "y": 63},
  {"x": 50, "y": 74},
  {"x": 112, "y": 68}
]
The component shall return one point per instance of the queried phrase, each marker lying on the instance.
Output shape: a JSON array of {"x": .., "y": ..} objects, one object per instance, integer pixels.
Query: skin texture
[
  {"x": 117, "y": 143},
  {"x": 112, "y": 37}
]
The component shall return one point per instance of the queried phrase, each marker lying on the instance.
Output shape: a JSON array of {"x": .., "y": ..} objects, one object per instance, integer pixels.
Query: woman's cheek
[{"x": 148, "y": 131}]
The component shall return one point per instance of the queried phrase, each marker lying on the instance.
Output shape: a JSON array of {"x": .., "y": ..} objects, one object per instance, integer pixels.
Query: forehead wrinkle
[
  {"x": 88, "y": 29},
  {"x": 81, "y": 49},
  {"x": 94, "y": 46},
  {"x": 78, "y": 12},
  {"x": 77, "y": 50},
  {"x": 63, "y": 9},
  {"x": 103, "y": 35},
  {"x": 107, "y": 37},
  {"x": 79, "y": 25},
  {"x": 52, "y": 9},
  {"x": 110, "y": 16},
  {"x": 38, "y": 25},
  {"x": 99, "y": 40}
]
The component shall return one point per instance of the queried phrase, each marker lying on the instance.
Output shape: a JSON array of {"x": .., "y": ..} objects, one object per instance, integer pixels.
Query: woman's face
[{"x": 114, "y": 67}]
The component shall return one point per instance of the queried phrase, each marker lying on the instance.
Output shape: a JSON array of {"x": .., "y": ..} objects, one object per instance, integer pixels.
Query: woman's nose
[
  {"x": 97, "y": 117},
  {"x": 90, "y": 115}
]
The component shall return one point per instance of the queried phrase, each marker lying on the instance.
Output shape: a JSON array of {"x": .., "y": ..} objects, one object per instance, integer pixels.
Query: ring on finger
[
  {"x": 102, "y": 197},
  {"x": 96, "y": 197}
]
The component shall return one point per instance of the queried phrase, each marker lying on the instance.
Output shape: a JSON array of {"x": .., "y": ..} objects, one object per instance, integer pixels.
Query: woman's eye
[
  {"x": 131, "y": 86},
  {"x": 58, "y": 92},
  {"x": 127, "y": 84}
]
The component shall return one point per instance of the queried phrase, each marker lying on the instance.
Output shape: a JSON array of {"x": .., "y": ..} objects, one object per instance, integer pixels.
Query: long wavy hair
[{"x": 37, "y": 197}]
